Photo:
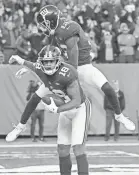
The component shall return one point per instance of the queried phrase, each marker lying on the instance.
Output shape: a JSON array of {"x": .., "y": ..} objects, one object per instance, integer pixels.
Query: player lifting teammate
[{"x": 62, "y": 79}]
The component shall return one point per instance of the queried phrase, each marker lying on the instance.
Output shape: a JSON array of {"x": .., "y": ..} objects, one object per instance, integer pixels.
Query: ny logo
[{"x": 44, "y": 12}]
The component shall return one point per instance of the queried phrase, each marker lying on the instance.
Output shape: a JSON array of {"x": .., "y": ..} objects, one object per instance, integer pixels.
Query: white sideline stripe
[
  {"x": 93, "y": 173},
  {"x": 1, "y": 167},
  {"x": 123, "y": 169},
  {"x": 55, "y": 168},
  {"x": 22, "y": 145}
]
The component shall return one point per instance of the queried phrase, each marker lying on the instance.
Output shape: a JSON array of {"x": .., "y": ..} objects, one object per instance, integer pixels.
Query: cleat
[
  {"x": 15, "y": 132},
  {"x": 128, "y": 124}
]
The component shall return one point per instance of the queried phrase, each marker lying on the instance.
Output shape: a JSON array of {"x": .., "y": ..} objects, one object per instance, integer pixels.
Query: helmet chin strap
[{"x": 53, "y": 31}]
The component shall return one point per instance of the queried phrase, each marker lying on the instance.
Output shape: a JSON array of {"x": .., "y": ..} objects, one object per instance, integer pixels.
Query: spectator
[
  {"x": 93, "y": 45},
  {"x": 9, "y": 36},
  {"x": 126, "y": 42},
  {"x": 37, "y": 114},
  {"x": 110, "y": 113},
  {"x": 28, "y": 15},
  {"x": 136, "y": 35},
  {"x": 23, "y": 45},
  {"x": 108, "y": 49},
  {"x": 36, "y": 41}
]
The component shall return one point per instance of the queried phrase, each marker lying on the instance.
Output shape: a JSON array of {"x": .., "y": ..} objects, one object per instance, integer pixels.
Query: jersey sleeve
[
  {"x": 71, "y": 29},
  {"x": 36, "y": 68},
  {"x": 32, "y": 66}
]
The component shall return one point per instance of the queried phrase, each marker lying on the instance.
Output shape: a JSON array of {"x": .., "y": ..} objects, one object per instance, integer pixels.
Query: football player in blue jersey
[{"x": 61, "y": 79}]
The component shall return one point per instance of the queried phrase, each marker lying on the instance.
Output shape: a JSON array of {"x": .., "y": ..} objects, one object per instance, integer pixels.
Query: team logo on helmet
[{"x": 48, "y": 19}]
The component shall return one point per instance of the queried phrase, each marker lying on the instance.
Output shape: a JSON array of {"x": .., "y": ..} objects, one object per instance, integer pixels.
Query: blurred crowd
[{"x": 112, "y": 26}]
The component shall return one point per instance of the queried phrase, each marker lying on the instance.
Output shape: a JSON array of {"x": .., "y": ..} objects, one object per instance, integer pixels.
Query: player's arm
[
  {"x": 30, "y": 65},
  {"x": 73, "y": 91},
  {"x": 72, "y": 50},
  {"x": 32, "y": 103}
]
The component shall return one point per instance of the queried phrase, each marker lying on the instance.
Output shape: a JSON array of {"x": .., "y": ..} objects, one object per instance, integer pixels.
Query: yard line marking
[
  {"x": 22, "y": 145},
  {"x": 1, "y": 167},
  {"x": 55, "y": 168},
  {"x": 53, "y": 154}
]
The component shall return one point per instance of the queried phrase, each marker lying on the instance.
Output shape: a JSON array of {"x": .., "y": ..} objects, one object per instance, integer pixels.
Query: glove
[
  {"x": 52, "y": 107},
  {"x": 21, "y": 72},
  {"x": 16, "y": 58}
]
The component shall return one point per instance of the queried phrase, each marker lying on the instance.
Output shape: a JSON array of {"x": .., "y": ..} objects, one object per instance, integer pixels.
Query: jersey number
[
  {"x": 63, "y": 71},
  {"x": 37, "y": 65},
  {"x": 65, "y": 25}
]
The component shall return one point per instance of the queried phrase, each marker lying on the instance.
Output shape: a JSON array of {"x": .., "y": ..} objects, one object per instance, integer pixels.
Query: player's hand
[
  {"x": 21, "y": 72},
  {"x": 17, "y": 59},
  {"x": 52, "y": 107}
]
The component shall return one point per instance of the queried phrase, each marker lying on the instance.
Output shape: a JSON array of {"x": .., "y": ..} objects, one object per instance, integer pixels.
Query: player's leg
[
  {"x": 92, "y": 77},
  {"x": 80, "y": 126},
  {"x": 33, "y": 102},
  {"x": 30, "y": 107},
  {"x": 64, "y": 144}
]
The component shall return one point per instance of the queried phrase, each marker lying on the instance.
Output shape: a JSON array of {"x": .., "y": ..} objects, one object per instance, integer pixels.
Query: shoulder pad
[{"x": 71, "y": 29}]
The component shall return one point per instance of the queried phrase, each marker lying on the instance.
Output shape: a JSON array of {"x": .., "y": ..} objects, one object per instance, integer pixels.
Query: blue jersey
[
  {"x": 60, "y": 80},
  {"x": 68, "y": 29}
]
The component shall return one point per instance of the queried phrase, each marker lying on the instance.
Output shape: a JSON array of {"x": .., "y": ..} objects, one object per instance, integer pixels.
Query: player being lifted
[
  {"x": 62, "y": 79},
  {"x": 69, "y": 33}
]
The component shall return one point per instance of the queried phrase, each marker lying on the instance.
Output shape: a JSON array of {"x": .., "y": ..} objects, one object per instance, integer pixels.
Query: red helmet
[
  {"x": 48, "y": 19},
  {"x": 50, "y": 59}
]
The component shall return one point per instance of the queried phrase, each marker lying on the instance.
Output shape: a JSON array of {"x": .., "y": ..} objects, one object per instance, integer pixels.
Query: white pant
[
  {"x": 73, "y": 125},
  {"x": 90, "y": 76}
]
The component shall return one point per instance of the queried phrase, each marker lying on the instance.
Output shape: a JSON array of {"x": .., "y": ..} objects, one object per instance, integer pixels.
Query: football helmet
[
  {"x": 49, "y": 59},
  {"x": 48, "y": 19}
]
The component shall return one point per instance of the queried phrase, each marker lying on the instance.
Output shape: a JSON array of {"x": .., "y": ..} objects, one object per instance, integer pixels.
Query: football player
[
  {"x": 69, "y": 35},
  {"x": 62, "y": 79}
]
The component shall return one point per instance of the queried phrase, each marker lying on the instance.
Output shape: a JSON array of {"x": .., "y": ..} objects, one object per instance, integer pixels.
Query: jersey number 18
[{"x": 63, "y": 71}]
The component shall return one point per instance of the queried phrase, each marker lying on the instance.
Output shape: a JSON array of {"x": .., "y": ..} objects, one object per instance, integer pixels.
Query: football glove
[
  {"x": 17, "y": 59},
  {"x": 52, "y": 107}
]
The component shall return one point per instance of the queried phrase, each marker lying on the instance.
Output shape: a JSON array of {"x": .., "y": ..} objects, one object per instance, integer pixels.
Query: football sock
[
  {"x": 82, "y": 165},
  {"x": 65, "y": 165},
  {"x": 21, "y": 125}
]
